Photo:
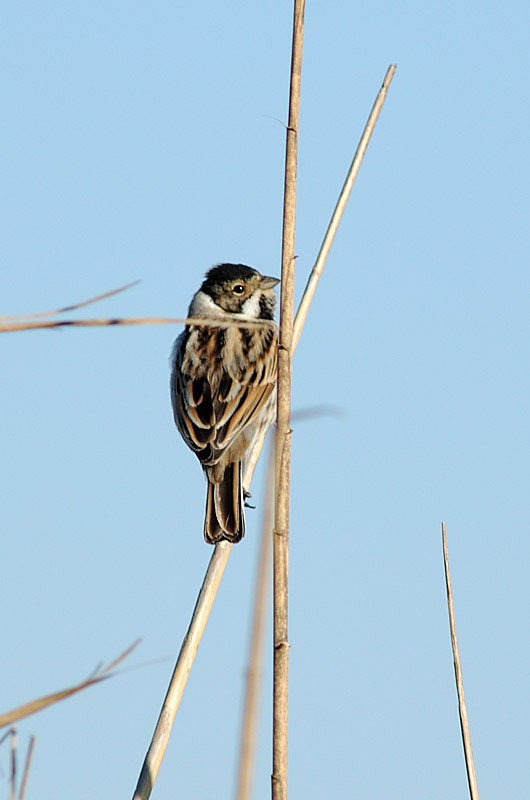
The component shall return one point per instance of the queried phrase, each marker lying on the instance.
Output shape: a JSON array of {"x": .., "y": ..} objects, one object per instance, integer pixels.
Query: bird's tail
[{"x": 224, "y": 517}]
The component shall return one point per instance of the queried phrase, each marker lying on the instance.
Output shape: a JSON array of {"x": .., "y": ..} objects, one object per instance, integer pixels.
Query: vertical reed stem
[{"x": 283, "y": 430}]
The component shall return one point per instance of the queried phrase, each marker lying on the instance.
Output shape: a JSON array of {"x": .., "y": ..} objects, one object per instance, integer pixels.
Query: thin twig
[
  {"x": 229, "y": 322},
  {"x": 27, "y": 764},
  {"x": 283, "y": 424},
  {"x": 249, "y": 718},
  {"x": 12, "y": 734},
  {"x": 464, "y": 724},
  {"x": 13, "y": 748},
  {"x": 341, "y": 205},
  {"x": 40, "y": 703},
  {"x": 73, "y": 307}
]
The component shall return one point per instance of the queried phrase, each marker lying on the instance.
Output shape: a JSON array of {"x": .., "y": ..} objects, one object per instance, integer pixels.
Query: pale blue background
[{"x": 140, "y": 140}]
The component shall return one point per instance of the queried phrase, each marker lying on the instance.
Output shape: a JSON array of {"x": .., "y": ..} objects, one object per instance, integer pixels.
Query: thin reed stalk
[
  {"x": 283, "y": 425},
  {"x": 341, "y": 205},
  {"x": 249, "y": 718},
  {"x": 27, "y": 765},
  {"x": 73, "y": 306},
  {"x": 462, "y": 710},
  {"x": 104, "y": 322},
  {"x": 188, "y": 651},
  {"x": 13, "y": 749},
  {"x": 102, "y": 673}
]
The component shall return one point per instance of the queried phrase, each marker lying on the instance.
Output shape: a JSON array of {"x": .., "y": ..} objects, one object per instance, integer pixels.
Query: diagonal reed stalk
[
  {"x": 464, "y": 724},
  {"x": 353, "y": 171},
  {"x": 71, "y": 307},
  {"x": 188, "y": 651},
  {"x": 102, "y": 673},
  {"x": 220, "y": 555}
]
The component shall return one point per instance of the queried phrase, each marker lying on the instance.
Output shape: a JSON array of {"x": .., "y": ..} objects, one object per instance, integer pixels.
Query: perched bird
[{"x": 223, "y": 386}]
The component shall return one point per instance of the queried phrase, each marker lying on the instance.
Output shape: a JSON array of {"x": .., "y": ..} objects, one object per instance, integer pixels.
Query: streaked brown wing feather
[
  {"x": 245, "y": 407},
  {"x": 212, "y": 410}
]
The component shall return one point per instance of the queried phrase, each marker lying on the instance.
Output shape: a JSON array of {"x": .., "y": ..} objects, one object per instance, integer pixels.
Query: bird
[{"x": 223, "y": 386}]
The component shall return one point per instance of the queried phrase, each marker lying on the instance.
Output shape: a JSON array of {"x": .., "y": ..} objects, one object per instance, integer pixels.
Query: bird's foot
[{"x": 246, "y": 496}]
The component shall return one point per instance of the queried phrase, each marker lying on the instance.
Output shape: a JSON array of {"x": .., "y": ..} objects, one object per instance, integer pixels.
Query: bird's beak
[{"x": 268, "y": 283}]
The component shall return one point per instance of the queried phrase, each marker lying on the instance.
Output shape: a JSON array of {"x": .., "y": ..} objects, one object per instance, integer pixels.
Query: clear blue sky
[{"x": 142, "y": 141}]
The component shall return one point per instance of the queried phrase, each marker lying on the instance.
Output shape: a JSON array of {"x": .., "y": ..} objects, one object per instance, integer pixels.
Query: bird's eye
[{"x": 238, "y": 288}]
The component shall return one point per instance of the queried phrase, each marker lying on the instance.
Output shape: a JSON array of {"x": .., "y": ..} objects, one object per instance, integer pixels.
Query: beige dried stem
[
  {"x": 26, "y": 322},
  {"x": 251, "y": 704},
  {"x": 105, "y": 322},
  {"x": 253, "y": 673},
  {"x": 188, "y": 651},
  {"x": 101, "y": 674},
  {"x": 464, "y": 724},
  {"x": 33, "y": 321},
  {"x": 13, "y": 742},
  {"x": 72, "y": 307},
  {"x": 283, "y": 425},
  {"x": 250, "y": 713},
  {"x": 27, "y": 765},
  {"x": 341, "y": 205}
]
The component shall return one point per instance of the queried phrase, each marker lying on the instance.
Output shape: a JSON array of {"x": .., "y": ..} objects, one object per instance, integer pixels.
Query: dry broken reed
[
  {"x": 341, "y": 205},
  {"x": 27, "y": 765},
  {"x": 72, "y": 307},
  {"x": 13, "y": 746},
  {"x": 462, "y": 710},
  {"x": 102, "y": 673}
]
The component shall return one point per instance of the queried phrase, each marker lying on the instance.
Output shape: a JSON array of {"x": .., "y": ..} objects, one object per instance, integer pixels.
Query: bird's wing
[{"x": 212, "y": 409}]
